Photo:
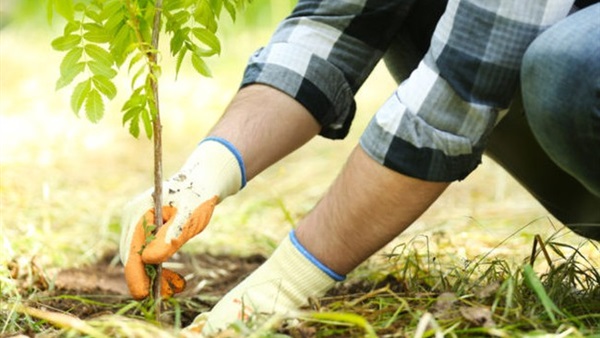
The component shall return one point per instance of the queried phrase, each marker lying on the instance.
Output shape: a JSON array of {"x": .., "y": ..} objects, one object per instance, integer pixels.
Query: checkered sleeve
[
  {"x": 435, "y": 125},
  {"x": 322, "y": 53}
]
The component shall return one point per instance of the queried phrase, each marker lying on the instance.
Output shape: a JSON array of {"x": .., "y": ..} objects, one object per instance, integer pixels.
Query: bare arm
[
  {"x": 367, "y": 206},
  {"x": 265, "y": 125}
]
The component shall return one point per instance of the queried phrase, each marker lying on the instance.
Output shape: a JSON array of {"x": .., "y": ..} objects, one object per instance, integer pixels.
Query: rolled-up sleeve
[
  {"x": 435, "y": 125},
  {"x": 322, "y": 53}
]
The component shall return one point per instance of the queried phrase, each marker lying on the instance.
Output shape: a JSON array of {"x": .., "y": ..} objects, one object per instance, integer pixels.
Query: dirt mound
[{"x": 205, "y": 273}]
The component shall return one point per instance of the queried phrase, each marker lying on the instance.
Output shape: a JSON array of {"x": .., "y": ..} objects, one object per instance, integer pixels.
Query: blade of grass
[
  {"x": 62, "y": 321},
  {"x": 426, "y": 321},
  {"x": 534, "y": 283},
  {"x": 347, "y": 318}
]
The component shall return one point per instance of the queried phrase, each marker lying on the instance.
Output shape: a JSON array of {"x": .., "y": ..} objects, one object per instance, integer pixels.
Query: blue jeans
[
  {"x": 550, "y": 140},
  {"x": 560, "y": 81},
  {"x": 560, "y": 85}
]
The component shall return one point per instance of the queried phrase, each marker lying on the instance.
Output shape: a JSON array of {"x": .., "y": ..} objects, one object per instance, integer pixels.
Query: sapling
[{"x": 101, "y": 36}]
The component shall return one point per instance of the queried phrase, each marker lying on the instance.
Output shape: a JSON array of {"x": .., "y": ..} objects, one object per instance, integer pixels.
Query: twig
[
  {"x": 157, "y": 131},
  {"x": 151, "y": 53},
  {"x": 538, "y": 239}
]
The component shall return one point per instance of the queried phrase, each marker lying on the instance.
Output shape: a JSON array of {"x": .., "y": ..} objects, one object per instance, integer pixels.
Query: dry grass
[{"x": 63, "y": 181}]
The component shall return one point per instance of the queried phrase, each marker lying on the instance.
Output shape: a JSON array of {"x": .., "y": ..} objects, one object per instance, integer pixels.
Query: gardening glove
[
  {"x": 212, "y": 172},
  {"x": 280, "y": 286}
]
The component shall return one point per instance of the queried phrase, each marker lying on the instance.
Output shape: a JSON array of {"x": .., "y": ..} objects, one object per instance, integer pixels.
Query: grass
[
  {"x": 414, "y": 293},
  {"x": 461, "y": 270}
]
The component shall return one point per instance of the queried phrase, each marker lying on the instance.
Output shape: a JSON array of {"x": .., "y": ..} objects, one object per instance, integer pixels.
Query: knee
[
  {"x": 560, "y": 69},
  {"x": 549, "y": 72}
]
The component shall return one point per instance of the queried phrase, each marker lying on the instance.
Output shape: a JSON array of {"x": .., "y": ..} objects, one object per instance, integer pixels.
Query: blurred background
[{"x": 64, "y": 180}]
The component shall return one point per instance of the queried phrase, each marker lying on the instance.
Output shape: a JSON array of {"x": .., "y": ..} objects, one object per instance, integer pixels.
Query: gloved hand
[
  {"x": 281, "y": 285},
  {"x": 212, "y": 172}
]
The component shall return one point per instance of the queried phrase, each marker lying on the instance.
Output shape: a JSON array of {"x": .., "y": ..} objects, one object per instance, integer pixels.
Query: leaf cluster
[{"x": 100, "y": 36}]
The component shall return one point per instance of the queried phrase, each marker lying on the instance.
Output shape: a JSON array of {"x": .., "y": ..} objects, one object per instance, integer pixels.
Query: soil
[
  {"x": 96, "y": 290},
  {"x": 100, "y": 289}
]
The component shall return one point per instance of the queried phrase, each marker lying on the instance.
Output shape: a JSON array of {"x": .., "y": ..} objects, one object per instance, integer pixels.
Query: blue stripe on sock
[{"x": 336, "y": 276}]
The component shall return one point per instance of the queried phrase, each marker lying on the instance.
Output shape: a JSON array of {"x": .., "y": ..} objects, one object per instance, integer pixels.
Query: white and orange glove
[
  {"x": 213, "y": 171},
  {"x": 282, "y": 285}
]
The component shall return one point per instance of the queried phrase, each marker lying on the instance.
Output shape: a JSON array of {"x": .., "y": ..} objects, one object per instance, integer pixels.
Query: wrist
[
  {"x": 282, "y": 285},
  {"x": 215, "y": 167},
  {"x": 312, "y": 259},
  {"x": 232, "y": 151}
]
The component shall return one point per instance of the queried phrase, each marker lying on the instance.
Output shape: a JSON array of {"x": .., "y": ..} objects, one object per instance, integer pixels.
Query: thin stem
[
  {"x": 151, "y": 53},
  {"x": 157, "y": 128}
]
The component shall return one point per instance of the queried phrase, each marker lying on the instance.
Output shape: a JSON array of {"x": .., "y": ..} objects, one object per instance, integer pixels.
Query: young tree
[{"x": 101, "y": 36}]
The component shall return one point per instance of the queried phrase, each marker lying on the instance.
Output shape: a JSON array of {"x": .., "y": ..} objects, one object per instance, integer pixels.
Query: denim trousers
[{"x": 549, "y": 141}]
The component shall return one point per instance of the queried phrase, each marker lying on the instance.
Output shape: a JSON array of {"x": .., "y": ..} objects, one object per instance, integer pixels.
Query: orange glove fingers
[
  {"x": 135, "y": 274},
  {"x": 171, "y": 283},
  {"x": 159, "y": 250}
]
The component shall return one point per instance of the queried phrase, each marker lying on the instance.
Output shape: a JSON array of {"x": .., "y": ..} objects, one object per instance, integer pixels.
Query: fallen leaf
[
  {"x": 487, "y": 291},
  {"x": 444, "y": 305},
  {"x": 478, "y": 315}
]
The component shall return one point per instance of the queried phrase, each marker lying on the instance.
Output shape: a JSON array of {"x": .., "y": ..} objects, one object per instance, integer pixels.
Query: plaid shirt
[{"x": 435, "y": 125}]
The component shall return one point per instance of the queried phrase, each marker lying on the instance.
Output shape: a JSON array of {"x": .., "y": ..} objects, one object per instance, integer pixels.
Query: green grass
[{"x": 415, "y": 294}]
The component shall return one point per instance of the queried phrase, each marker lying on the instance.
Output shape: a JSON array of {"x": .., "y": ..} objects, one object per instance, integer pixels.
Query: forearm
[
  {"x": 265, "y": 125},
  {"x": 367, "y": 206}
]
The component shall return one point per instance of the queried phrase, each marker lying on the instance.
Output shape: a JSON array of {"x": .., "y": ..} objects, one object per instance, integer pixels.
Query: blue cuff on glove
[
  {"x": 334, "y": 275},
  {"x": 235, "y": 153}
]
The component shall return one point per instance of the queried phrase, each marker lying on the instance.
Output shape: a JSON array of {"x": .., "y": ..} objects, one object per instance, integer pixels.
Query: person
[{"x": 460, "y": 65}]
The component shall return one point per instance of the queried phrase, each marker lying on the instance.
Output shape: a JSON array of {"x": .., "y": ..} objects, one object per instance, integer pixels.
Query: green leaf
[
  {"x": 136, "y": 100},
  {"x": 176, "y": 4},
  {"x": 151, "y": 103},
  {"x": 200, "y": 66},
  {"x": 156, "y": 70},
  {"x": 66, "y": 42},
  {"x": 137, "y": 75},
  {"x": 96, "y": 33},
  {"x": 94, "y": 106},
  {"x": 69, "y": 75},
  {"x": 131, "y": 113},
  {"x": 182, "y": 17},
  {"x": 135, "y": 59},
  {"x": 178, "y": 39},
  {"x": 80, "y": 7},
  {"x": 79, "y": 95},
  {"x": 230, "y": 8},
  {"x": 134, "y": 126},
  {"x": 208, "y": 38},
  {"x": 120, "y": 44},
  {"x": 71, "y": 27},
  {"x": 147, "y": 120},
  {"x": 205, "y": 16},
  {"x": 98, "y": 68},
  {"x": 49, "y": 11},
  {"x": 95, "y": 16},
  {"x": 114, "y": 22},
  {"x": 180, "y": 58},
  {"x": 111, "y": 9},
  {"x": 216, "y": 6},
  {"x": 65, "y": 9},
  {"x": 70, "y": 60},
  {"x": 105, "y": 86},
  {"x": 99, "y": 54}
]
